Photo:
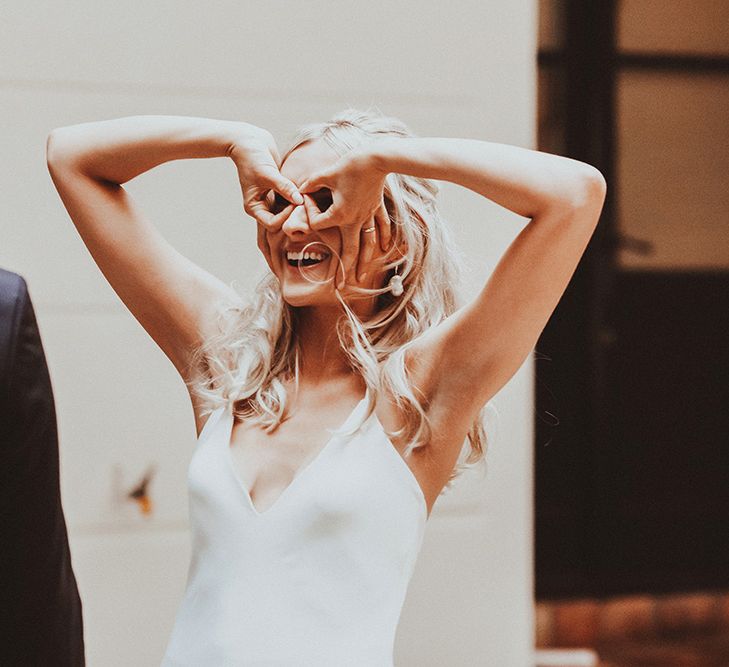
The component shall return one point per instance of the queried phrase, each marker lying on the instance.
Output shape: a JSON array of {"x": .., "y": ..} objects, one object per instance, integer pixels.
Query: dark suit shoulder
[{"x": 13, "y": 303}]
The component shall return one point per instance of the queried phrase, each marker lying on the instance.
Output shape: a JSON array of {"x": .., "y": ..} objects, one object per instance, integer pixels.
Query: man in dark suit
[{"x": 40, "y": 608}]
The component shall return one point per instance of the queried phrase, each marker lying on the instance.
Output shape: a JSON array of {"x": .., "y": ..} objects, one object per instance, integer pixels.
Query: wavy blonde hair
[{"x": 256, "y": 346}]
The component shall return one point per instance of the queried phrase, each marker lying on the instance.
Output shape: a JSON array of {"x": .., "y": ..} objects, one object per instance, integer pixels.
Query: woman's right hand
[{"x": 256, "y": 157}]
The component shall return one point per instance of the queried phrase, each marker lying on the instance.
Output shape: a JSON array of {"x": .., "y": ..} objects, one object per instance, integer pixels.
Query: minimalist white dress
[{"x": 316, "y": 580}]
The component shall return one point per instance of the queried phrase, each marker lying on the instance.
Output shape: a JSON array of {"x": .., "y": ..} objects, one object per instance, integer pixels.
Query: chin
[
  {"x": 307, "y": 295},
  {"x": 298, "y": 291}
]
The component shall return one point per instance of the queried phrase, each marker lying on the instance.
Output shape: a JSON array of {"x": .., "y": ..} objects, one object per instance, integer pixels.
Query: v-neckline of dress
[{"x": 297, "y": 477}]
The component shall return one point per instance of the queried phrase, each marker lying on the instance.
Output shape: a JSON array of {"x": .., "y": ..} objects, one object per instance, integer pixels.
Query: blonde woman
[{"x": 332, "y": 407}]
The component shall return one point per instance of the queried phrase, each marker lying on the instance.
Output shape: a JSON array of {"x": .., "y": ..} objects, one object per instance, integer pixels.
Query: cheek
[
  {"x": 333, "y": 238},
  {"x": 275, "y": 246}
]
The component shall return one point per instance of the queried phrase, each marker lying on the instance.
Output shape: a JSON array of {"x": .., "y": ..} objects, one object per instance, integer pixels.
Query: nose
[{"x": 297, "y": 221}]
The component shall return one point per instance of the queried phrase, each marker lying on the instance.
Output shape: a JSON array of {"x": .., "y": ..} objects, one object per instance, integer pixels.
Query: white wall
[{"x": 462, "y": 68}]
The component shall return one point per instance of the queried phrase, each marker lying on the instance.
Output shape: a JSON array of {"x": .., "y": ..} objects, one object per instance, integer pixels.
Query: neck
[{"x": 322, "y": 359}]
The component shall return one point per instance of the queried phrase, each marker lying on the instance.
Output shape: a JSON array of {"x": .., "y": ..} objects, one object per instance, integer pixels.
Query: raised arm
[
  {"x": 172, "y": 298},
  {"x": 484, "y": 343}
]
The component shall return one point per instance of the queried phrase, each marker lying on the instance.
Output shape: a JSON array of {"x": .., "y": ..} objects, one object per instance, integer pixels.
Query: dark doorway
[{"x": 632, "y": 430}]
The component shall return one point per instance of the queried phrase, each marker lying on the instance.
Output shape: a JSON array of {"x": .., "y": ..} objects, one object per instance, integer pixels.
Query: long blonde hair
[{"x": 256, "y": 345}]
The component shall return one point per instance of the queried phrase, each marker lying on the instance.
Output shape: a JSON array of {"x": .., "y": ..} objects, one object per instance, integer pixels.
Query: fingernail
[{"x": 298, "y": 199}]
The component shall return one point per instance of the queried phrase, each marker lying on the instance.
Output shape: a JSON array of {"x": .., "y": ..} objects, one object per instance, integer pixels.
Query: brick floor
[
  {"x": 690, "y": 651},
  {"x": 683, "y": 630}
]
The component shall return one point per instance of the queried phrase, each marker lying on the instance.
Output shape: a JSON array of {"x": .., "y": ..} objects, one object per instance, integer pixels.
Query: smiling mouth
[
  {"x": 306, "y": 262},
  {"x": 306, "y": 259}
]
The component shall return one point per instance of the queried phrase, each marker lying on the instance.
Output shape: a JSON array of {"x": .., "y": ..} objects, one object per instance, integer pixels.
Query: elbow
[
  {"x": 53, "y": 152},
  {"x": 590, "y": 190},
  {"x": 585, "y": 193},
  {"x": 52, "y": 155},
  {"x": 582, "y": 199},
  {"x": 58, "y": 150},
  {"x": 580, "y": 189},
  {"x": 52, "y": 144}
]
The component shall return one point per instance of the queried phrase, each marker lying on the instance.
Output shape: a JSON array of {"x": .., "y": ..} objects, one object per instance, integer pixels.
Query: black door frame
[{"x": 571, "y": 373}]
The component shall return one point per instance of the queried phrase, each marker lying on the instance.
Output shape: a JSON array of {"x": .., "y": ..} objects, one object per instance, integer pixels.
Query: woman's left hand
[{"x": 357, "y": 202}]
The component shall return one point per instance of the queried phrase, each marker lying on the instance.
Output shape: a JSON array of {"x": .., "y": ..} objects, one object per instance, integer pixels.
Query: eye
[
  {"x": 323, "y": 198},
  {"x": 276, "y": 202}
]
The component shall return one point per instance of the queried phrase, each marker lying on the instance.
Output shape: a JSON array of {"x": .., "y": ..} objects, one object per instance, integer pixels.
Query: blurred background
[
  {"x": 600, "y": 531},
  {"x": 632, "y": 428}
]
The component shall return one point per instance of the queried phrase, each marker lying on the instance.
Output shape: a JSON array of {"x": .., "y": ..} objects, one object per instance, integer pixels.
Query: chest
[{"x": 268, "y": 464}]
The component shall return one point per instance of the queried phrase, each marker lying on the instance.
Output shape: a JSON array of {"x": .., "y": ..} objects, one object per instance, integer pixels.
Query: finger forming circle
[
  {"x": 368, "y": 244},
  {"x": 350, "y": 247},
  {"x": 382, "y": 219}
]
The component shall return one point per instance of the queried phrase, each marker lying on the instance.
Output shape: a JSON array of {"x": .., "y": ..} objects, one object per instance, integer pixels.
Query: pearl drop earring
[{"x": 395, "y": 284}]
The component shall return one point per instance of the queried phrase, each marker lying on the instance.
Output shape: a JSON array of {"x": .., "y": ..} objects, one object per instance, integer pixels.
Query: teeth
[{"x": 305, "y": 255}]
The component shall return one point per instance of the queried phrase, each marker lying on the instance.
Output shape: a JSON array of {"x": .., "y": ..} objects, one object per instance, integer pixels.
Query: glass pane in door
[
  {"x": 686, "y": 27},
  {"x": 672, "y": 174}
]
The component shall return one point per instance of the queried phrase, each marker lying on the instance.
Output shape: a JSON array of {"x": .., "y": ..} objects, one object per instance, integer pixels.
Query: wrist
[
  {"x": 380, "y": 153},
  {"x": 235, "y": 135}
]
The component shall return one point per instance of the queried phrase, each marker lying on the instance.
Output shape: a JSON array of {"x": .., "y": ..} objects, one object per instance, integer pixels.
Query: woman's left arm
[{"x": 485, "y": 342}]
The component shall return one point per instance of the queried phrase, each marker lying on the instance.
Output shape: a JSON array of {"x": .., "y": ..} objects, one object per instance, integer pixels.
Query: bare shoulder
[{"x": 449, "y": 415}]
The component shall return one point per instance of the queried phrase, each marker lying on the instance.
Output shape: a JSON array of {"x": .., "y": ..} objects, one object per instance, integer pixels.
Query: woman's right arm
[{"x": 172, "y": 298}]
